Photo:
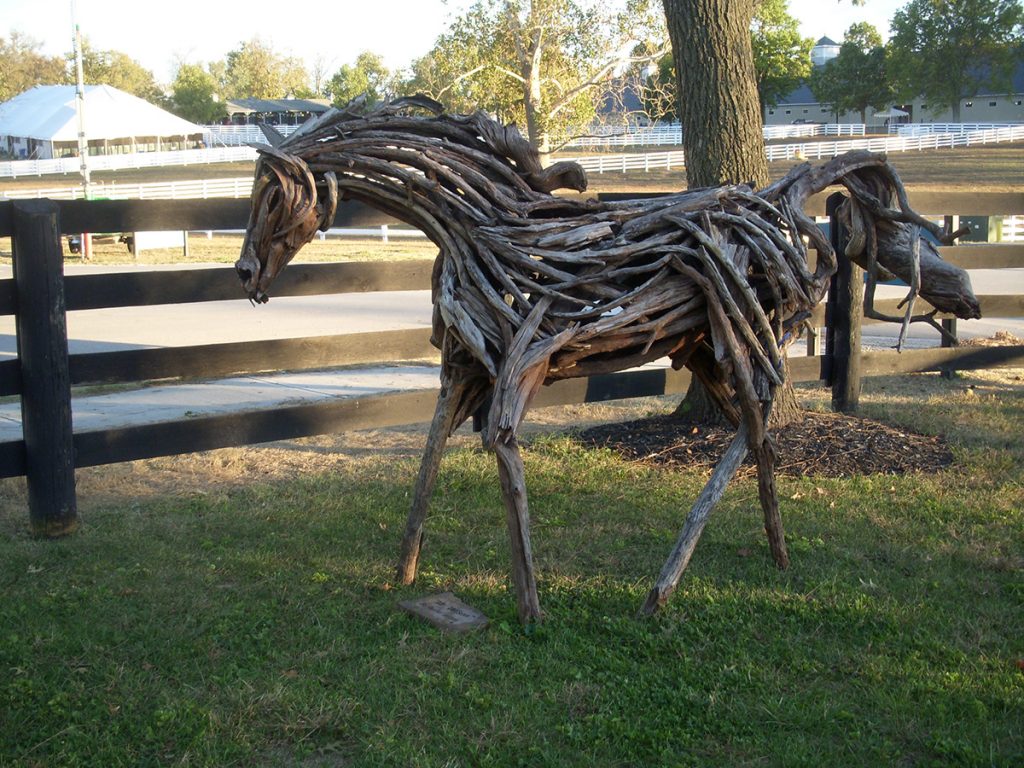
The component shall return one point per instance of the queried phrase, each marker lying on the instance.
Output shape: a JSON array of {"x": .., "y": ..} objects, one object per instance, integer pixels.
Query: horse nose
[{"x": 243, "y": 274}]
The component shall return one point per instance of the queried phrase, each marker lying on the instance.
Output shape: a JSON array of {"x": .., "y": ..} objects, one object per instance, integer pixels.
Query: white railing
[
  {"x": 240, "y": 135},
  {"x": 1012, "y": 230},
  {"x": 605, "y": 136},
  {"x": 813, "y": 129},
  {"x": 620, "y": 163},
  {"x": 385, "y": 232},
  {"x": 171, "y": 190},
  {"x": 919, "y": 129},
  {"x": 610, "y": 163},
  {"x": 70, "y": 165}
]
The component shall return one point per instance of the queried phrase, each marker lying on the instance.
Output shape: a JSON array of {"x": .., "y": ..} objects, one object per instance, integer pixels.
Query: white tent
[{"x": 42, "y": 122}]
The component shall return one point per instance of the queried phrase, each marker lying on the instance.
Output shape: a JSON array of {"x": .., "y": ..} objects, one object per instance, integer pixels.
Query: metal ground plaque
[{"x": 446, "y": 612}]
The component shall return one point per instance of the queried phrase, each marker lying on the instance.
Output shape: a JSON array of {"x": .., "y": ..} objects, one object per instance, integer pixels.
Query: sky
[{"x": 159, "y": 35}]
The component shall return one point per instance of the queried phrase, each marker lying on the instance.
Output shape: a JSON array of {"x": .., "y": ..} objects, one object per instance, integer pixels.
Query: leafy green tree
[
  {"x": 536, "y": 62},
  {"x": 23, "y": 67},
  {"x": 946, "y": 50},
  {"x": 782, "y": 58},
  {"x": 295, "y": 79},
  {"x": 254, "y": 70},
  {"x": 367, "y": 75},
  {"x": 194, "y": 95},
  {"x": 118, "y": 70},
  {"x": 858, "y": 77},
  {"x": 781, "y": 61}
]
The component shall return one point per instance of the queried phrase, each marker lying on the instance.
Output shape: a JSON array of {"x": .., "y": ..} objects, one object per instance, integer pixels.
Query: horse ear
[{"x": 274, "y": 137}]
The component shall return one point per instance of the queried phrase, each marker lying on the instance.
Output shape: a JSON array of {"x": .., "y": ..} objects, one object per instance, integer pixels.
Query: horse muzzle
[{"x": 249, "y": 270}]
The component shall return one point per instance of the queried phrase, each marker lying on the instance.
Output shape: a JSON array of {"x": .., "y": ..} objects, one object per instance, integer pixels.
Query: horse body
[{"x": 529, "y": 288}]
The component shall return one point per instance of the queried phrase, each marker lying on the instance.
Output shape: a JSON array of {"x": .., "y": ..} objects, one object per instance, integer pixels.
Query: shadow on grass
[{"x": 260, "y": 626}]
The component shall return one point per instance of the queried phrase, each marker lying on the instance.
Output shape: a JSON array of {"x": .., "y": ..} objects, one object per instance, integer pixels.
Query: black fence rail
[{"x": 43, "y": 373}]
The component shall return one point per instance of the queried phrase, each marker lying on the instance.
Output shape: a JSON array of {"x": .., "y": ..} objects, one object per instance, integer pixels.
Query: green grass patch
[{"x": 258, "y": 627}]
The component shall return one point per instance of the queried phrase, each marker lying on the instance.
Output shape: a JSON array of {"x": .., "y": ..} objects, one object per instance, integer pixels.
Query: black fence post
[
  {"x": 843, "y": 315},
  {"x": 951, "y": 223},
  {"x": 43, "y": 355}
]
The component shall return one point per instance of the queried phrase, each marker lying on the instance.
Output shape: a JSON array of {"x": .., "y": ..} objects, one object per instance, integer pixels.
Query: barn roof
[
  {"x": 270, "y": 106},
  {"x": 47, "y": 113}
]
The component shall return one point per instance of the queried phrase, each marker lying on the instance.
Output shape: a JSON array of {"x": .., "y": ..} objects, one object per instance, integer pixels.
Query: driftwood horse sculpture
[{"x": 529, "y": 288}]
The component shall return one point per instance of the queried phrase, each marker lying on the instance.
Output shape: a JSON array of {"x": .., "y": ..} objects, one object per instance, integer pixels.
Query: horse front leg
[{"x": 451, "y": 397}]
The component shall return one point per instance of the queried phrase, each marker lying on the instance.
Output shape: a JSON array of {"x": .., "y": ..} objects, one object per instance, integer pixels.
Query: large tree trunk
[
  {"x": 717, "y": 87},
  {"x": 721, "y": 115}
]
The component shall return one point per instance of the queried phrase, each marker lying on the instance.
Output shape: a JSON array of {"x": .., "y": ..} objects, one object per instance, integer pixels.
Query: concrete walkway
[
  {"x": 193, "y": 324},
  {"x": 174, "y": 402}
]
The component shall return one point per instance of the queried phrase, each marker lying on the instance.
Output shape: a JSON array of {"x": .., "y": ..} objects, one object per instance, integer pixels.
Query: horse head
[{"x": 289, "y": 205}]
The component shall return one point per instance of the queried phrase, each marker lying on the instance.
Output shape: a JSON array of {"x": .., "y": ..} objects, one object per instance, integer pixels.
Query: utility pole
[{"x": 83, "y": 142}]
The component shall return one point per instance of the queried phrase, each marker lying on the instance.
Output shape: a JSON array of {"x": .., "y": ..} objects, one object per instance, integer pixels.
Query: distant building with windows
[{"x": 800, "y": 105}]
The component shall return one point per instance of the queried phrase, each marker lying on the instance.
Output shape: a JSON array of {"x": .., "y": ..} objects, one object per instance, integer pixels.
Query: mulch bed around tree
[{"x": 815, "y": 445}]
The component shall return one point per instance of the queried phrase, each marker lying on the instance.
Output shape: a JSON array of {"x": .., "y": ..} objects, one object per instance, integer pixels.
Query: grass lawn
[{"x": 238, "y": 608}]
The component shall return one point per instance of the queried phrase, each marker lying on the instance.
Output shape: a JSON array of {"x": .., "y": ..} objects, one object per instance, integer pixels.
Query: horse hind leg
[{"x": 766, "y": 491}]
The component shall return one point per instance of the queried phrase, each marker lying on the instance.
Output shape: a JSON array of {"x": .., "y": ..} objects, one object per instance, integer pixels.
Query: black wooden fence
[{"x": 43, "y": 374}]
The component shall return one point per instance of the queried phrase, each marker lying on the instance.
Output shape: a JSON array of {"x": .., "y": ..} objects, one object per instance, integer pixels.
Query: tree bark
[
  {"x": 717, "y": 86},
  {"x": 722, "y": 137},
  {"x": 698, "y": 407}
]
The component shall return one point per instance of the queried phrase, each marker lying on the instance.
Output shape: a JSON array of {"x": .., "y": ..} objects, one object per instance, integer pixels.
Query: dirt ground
[
  {"x": 821, "y": 444},
  {"x": 815, "y": 445}
]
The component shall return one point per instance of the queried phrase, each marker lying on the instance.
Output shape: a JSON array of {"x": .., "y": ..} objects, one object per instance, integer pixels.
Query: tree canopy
[
  {"x": 255, "y": 70},
  {"x": 858, "y": 77},
  {"x": 22, "y": 66},
  {"x": 120, "y": 71},
  {"x": 194, "y": 95},
  {"x": 782, "y": 58},
  {"x": 534, "y": 62},
  {"x": 367, "y": 75},
  {"x": 946, "y": 50}
]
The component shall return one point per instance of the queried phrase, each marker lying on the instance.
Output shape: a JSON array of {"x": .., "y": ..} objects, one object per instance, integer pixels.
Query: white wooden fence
[
  {"x": 606, "y": 137},
  {"x": 919, "y": 129},
  {"x": 171, "y": 190},
  {"x": 611, "y": 163},
  {"x": 620, "y": 163},
  {"x": 239, "y": 135},
  {"x": 70, "y": 165}
]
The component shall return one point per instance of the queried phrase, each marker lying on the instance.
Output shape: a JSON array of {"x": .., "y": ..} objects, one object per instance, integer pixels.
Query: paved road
[
  {"x": 213, "y": 322},
  {"x": 224, "y": 321},
  {"x": 179, "y": 325}
]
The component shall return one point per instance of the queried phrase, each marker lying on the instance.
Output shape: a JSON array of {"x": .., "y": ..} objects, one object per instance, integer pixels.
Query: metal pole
[{"x": 83, "y": 142}]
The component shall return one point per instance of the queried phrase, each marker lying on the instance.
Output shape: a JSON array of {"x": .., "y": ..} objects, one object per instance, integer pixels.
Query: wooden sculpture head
[
  {"x": 390, "y": 159},
  {"x": 289, "y": 205}
]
